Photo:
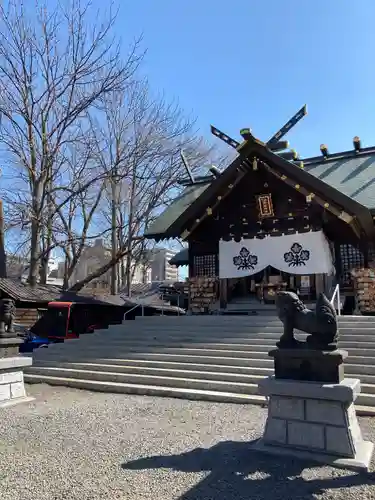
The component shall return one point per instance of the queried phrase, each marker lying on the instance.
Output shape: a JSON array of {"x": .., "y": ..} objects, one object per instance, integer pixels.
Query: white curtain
[
  {"x": 304, "y": 253},
  {"x": 242, "y": 259}
]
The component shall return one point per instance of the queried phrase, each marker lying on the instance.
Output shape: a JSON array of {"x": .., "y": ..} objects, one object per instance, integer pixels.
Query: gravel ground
[{"x": 70, "y": 444}]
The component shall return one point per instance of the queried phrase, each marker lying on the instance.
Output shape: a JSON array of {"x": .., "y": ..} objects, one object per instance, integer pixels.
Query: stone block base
[
  {"x": 316, "y": 421},
  {"x": 12, "y": 388},
  {"x": 360, "y": 462}
]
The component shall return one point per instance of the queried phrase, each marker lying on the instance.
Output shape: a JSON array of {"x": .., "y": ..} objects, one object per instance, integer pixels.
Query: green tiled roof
[
  {"x": 181, "y": 258},
  {"x": 349, "y": 174},
  {"x": 175, "y": 209},
  {"x": 353, "y": 176}
]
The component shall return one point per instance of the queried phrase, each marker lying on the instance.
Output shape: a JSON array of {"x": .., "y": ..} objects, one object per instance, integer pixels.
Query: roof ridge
[{"x": 336, "y": 156}]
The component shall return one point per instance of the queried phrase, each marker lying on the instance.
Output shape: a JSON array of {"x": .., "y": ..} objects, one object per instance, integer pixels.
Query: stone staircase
[{"x": 217, "y": 358}]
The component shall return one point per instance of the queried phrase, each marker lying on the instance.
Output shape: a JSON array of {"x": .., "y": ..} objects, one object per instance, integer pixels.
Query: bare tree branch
[{"x": 54, "y": 67}]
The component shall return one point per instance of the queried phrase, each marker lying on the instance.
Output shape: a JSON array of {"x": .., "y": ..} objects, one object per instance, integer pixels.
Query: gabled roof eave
[{"x": 259, "y": 149}]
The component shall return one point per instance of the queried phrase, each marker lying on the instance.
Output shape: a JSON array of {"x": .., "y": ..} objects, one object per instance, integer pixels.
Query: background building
[
  {"x": 161, "y": 269},
  {"x": 154, "y": 267}
]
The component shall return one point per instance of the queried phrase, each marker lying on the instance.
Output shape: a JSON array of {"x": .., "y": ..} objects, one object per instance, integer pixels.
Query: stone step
[
  {"x": 351, "y": 365},
  {"x": 262, "y": 362},
  {"x": 367, "y": 388},
  {"x": 220, "y": 318},
  {"x": 144, "y": 365},
  {"x": 124, "y": 388},
  {"x": 360, "y": 369},
  {"x": 217, "y": 357},
  {"x": 226, "y": 385},
  {"x": 360, "y": 360},
  {"x": 218, "y": 334},
  {"x": 353, "y": 341},
  {"x": 257, "y": 350},
  {"x": 365, "y": 399},
  {"x": 242, "y": 336},
  {"x": 182, "y": 340},
  {"x": 216, "y": 324},
  {"x": 232, "y": 350},
  {"x": 252, "y": 327},
  {"x": 365, "y": 402},
  {"x": 186, "y": 370}
]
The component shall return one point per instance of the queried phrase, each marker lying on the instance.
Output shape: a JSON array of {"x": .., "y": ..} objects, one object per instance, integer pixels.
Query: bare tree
[
  {"x": 74, "y": 205},
  {"x": 138, "y": 140},
  {"x": 54, "y": 67}
]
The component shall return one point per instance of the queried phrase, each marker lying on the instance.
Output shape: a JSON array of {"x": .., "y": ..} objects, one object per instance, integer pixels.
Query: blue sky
[{"x": 254, "y": 63}]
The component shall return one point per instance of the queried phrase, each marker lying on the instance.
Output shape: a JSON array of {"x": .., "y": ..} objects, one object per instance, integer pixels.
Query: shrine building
[{"x": 271, "y": 221}]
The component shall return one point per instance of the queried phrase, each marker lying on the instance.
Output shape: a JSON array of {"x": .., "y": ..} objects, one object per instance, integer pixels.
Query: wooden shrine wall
[
  {"x": 239, "y": 216},
  {"x": 204, "y": 258}
]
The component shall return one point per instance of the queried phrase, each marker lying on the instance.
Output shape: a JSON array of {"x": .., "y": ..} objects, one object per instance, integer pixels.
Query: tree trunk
[
  {"x": 35, "y": 234},
  {"x": 34, "y": 252},
  {"x": 114, "y": 239},
  {"x": 48, "y": 237},
  {"x": 130, "y": 235},
  {"x": 3, "y": 266},
  {"x": 66, "y": 275}
]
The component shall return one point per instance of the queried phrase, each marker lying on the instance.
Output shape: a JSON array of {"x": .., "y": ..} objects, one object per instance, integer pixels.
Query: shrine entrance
[
  {"x": 259, "y": 268},
  {"x": 264, "y": 285}
]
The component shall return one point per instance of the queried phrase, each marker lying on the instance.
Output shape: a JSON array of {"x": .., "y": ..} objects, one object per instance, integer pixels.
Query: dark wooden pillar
[
  {"x": 191, "y": 261},
  {"x": 223, "y": 293},
  {"x": 338, "y": 263},
  {"x": 365, "y": 250}
]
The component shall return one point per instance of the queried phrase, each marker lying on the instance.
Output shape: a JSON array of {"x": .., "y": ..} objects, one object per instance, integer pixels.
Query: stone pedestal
[
  {"x": 309, "y": 365},
  {"x": 315, "y": 421},
  {"x": 12, "y": 389}
]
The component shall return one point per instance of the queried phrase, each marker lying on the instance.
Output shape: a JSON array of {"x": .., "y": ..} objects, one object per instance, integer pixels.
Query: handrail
[
  {"x": 142, "y": 305},
  {"x": 336, "y": 295},
  {"x": 135, "y": 307}
]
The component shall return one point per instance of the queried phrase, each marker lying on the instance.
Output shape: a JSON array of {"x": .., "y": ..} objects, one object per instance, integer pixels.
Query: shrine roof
[
  {"x": 181, "y": 258},
  {"x": 348, "y": 178},
  {"x": 350, "y": 173},
  {"x": 175, "y": 209}
]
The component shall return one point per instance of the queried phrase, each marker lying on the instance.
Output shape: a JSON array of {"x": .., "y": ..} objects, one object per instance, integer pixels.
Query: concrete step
[
  {"x": 181, "y": 341},
  {"x": 226, "y": 385},
  {"x": 347, "y": 328},
  {"x": 216, "y": 347},
  {"x": 240, "y": 336},
  {"x": 352, "y": 368},
  {"x": 188, "y": 370},
  {"x": 206, "y": 357},
  {"x": 258, "y": 317},
  {"x": 206, "y": 349},
  {"x": 360, "y": 360},
  {"x": 367, "y": 388},
  {"x": 365, "y": 399},
  {"x": 217, "y": 333},
  {"x": 262, "y": 362},
  {"x": 156, "y": 366},
  {"x": 124, "y": 388},
  {"x": 365, "y": 403}
]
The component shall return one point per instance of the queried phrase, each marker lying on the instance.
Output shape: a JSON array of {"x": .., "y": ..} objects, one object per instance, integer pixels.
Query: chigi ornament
[{"x": 265, "y": 206}]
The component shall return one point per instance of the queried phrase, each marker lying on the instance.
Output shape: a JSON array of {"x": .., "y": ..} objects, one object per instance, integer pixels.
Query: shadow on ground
[{"x": 237, "y": 472}]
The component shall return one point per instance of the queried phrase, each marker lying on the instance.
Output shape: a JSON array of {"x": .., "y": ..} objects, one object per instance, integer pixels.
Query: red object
[{"x": 68, "y": 334}]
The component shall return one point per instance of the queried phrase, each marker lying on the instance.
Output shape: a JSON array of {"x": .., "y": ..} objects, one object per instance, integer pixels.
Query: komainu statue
[
  {"x": 7, "y": 316},
  {"x": 321, "y": 324}
]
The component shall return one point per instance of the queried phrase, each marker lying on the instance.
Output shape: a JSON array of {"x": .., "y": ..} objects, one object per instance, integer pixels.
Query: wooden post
[
  {"x": 223, "y": 293},
  {"x": 365, "y": 250},
  {"x": 319, "y": 284},
  {"x": 338, "y": 263}
]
